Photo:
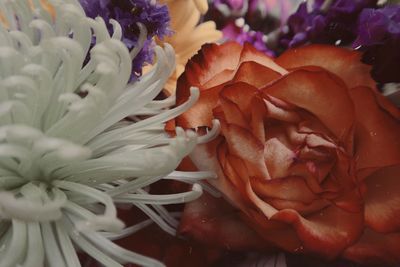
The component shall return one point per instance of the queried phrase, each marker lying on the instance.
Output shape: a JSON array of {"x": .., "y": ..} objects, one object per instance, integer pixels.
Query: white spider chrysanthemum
[{"x": 68, "y": 153}]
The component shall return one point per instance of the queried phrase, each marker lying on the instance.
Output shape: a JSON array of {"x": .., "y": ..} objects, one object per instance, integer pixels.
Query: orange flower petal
[
  {"x": 382, "y": 202},
  {"x": 201, "y": 112},
  {"x": 343, "y": 62},
  {"x": 243, "y": 144},
  {"x": 213, "y": 221},
  {"x": 242, "y": 95},
  {"x": 326, "y": 233},
  {"x": 250, "y": 53},
  {"x": 232, "y": 112},
  {"x": 278, "y": 158},
  {"x": 236, "y": 172},
  {"x": 318, "y": 93},
  {"x": 375, "y": 249},
  {"x": 289, "y": 188},
  {"x": 212, "y": 157},
  {"x": 258, "y": 112},
  {"x": 377, "y": 132},
  {"x": 300, "y": 207},
  {"x": 249, "y": 72},
  {"x": 278, "y": 113},
  {"x": 210, "y": 61}
]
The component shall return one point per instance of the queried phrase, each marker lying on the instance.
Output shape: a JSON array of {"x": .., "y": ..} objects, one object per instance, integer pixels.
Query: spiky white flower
[{"x": 68, "y": 153}]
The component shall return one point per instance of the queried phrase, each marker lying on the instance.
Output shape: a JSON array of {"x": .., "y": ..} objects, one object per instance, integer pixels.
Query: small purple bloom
[
  {"x": 260, "y": 16},
  {"x": 379, "y": 37},
  {"x": 128, "y": 13},
  {"x": 324, "y": 22},
  {"x": 375, "y": 26},
  {"x": 243, "y": 35}
]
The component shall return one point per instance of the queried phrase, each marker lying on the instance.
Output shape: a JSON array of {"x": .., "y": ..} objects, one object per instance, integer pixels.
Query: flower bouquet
[{"x": 191, "y": 133}]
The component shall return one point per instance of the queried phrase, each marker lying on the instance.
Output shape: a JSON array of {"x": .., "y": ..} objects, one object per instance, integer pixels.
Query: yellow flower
[{"x": 188, "y": 35}]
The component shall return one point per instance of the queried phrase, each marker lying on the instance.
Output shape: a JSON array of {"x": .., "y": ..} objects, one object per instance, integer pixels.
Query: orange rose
[{"x": 309, "y": 152}]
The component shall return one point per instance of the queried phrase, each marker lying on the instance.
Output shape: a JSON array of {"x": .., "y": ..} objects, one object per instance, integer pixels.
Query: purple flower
[
  {"x": 128, "y": 13},
  {"x": 261, "y": 17},
  {"x": 379, "y": 37},
  {"x": 375, "y": 26},
  {"x": 241, "y": 34},
  {"x": 260, "y": 8},
  {"x": 324, "y": 22}
]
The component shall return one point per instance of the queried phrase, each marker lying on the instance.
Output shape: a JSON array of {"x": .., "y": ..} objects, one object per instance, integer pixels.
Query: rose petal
[
  {"x": 214, "y": 222},
  {"x": 377, "y": 132},
  {"x": 243, "y": 144},
  {"x": 277, "y": 129},
  {"x": 330, "y": 101},
  {"x": 219, "y": 79},
  {"x": 289, "y": 188},
  {"x": 382, "y": 202},
  {"x": 278, "y": 233},
  {"x": 234, "y": 170},
  {"x": 281, "y": 114},
  {"x": 351, "y": 200},
  {"x": 300, "y": 207},
  {"x": 209, "y": 70},
  {"x": 313, "y": 140},
  {"x": 278, "y": 158},
  {"x": 375, "y": 249},
  {"x": 311, "y": 176},
  {"x": 237, "y": 172},
  {"x": 388, "y": 106},
  {"x": 210, "y": 61},
  {"x": 250, "y": 53},
  {"x": 342, "y": 62},
  {"x": 212, "y": 157},
  {"x": 200, "y": 114},
  {"x": 263, "y": 206},
  {"x": 258, "y": 112},
  {"x": 327, "y": 232},
  {"x": 242, "y": 95},
  {"x": 249, "y": 72},
  {"x": 344, "y": 173},
  {"x": 232, "y": 112}
]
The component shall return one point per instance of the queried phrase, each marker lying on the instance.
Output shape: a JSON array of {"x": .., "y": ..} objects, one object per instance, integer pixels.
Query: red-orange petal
[
  {"x": 250, "y": 53},
  {"x": 200, "y": 114},
  {"x": 242, "y": 95},
  {"x": 278, "y": 158},
  {"x": 326, "y": 233},
  {"x": 258, "y": 112},
  {"x": 343, "y": 62},
  {"x": 318, "y": 93},
  {"x": 243, "y": 144},
  {"x": 289, "y": 188},
  {"x": 208, "y": 70},
  {"x": 211, "y": 60},
  {"x": 375, "y": 249},
  {"x": 255, "y": 74},
  {"x": 215, "y": 222},
  {"x": 382, "y": 201},
  {"x": 232, "y": 112},
  {"x": 377, "y": 135},
  {"x": 301, "y": 207}
]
